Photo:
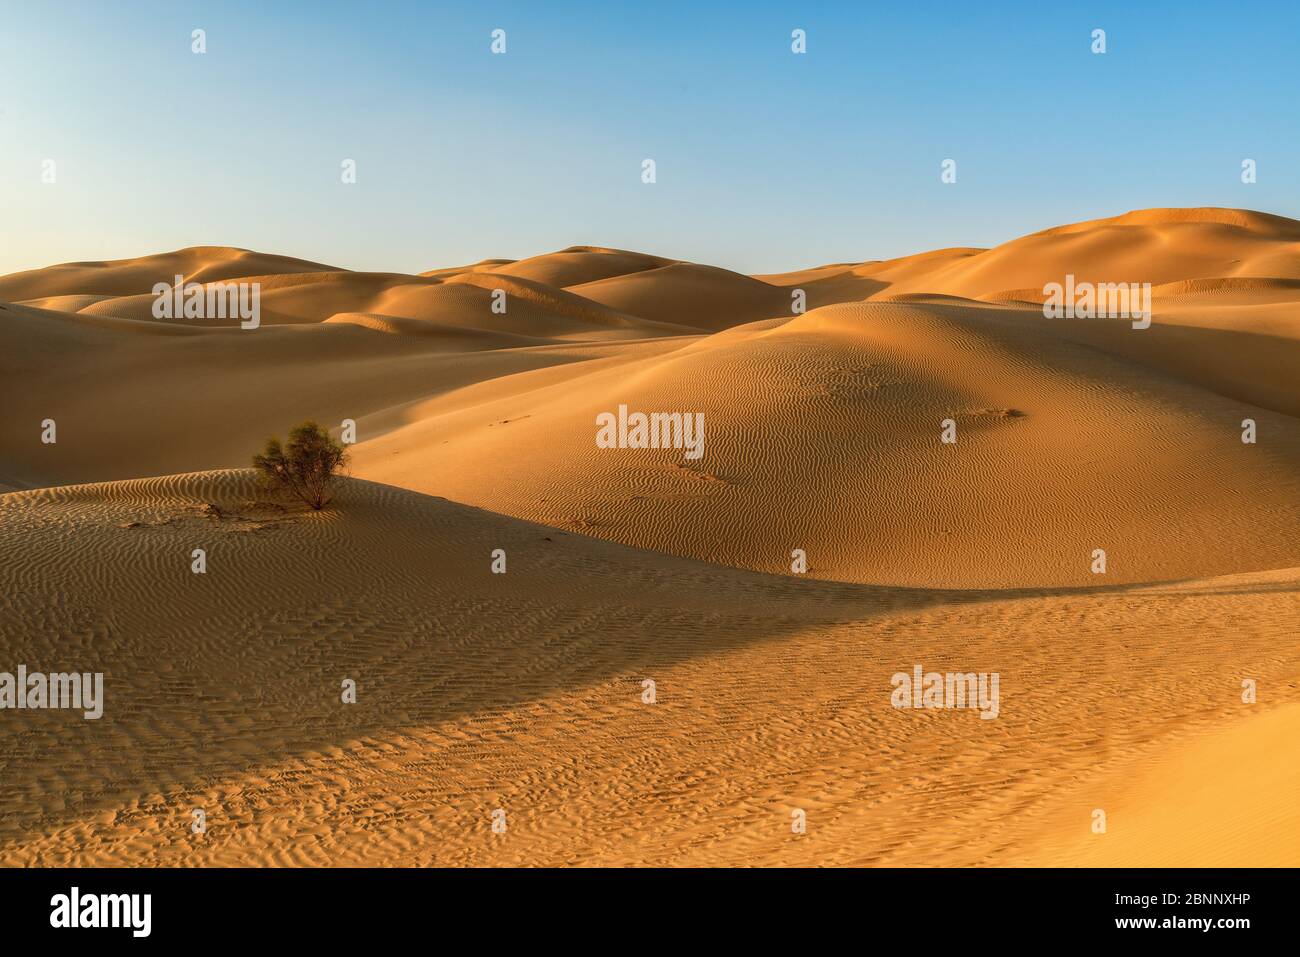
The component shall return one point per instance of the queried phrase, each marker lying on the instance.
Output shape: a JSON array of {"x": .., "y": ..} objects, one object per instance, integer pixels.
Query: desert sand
[{"x": 523, "y": 692}]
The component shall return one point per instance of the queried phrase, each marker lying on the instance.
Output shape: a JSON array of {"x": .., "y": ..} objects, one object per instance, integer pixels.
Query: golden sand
[{"x": 525, "y": 692}]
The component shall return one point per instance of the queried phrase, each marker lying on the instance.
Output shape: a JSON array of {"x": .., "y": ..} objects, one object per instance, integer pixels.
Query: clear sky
[{"x": 766, "y": 160}]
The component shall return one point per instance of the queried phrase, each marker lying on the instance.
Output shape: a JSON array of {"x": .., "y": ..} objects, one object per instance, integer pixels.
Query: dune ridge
[{"x": 522, "y": 691}]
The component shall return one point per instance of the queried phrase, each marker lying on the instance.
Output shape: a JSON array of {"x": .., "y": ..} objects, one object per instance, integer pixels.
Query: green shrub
[{"x": 306, "y": 467}]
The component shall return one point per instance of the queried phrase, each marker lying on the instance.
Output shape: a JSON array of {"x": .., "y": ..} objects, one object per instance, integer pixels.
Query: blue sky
[{"x": 766, "y": 160}]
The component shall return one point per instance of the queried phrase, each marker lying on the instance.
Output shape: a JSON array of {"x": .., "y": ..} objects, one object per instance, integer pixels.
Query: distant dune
[
  {"x": 704, "y": 297},
  {"x": 579, "y": 265},
  {"x": 1151, "y": 245},
  {"x": 476, "y": 389},
  {"x": 128, "y": 277}
]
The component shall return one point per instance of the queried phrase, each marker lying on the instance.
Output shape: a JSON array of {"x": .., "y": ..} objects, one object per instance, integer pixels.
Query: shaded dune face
[
  {"x": 479, "y": 691},
  {"x": 822, "y": 435}
]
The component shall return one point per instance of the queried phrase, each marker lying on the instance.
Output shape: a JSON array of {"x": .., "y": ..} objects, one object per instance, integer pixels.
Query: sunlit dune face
[{"x": 640, "y": 561}]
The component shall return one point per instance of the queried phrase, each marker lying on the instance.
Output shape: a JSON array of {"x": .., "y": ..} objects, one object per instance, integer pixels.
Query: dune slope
[
  {"x": 525, "y": 689},
  {"x": 524, "y": 692},
  {"x": 823, "y": 433}
]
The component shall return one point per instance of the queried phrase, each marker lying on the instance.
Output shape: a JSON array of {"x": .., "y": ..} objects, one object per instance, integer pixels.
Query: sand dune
[
  {"x": 460, "y": 299},
  {"x": 127, "y": 277},
  {"x": 580, "y": 264},
  {"x": 452, "y": 337},
  {"x": 1199, "y": 803},
  {"x": 126, "y": 396},
  {"x": 823, "y": 433},
  {"x": 1155, "y": 245},
  {"x": 522, "y": 691},
  {"x": 704, "y": 297}
]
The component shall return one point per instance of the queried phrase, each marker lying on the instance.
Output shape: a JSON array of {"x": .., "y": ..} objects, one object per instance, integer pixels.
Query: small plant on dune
[{"x": 306, "y": 466}]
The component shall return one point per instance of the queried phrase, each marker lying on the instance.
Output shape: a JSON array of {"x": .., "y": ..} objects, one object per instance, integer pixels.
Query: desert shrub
[{"x": 305, "y": 467}]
